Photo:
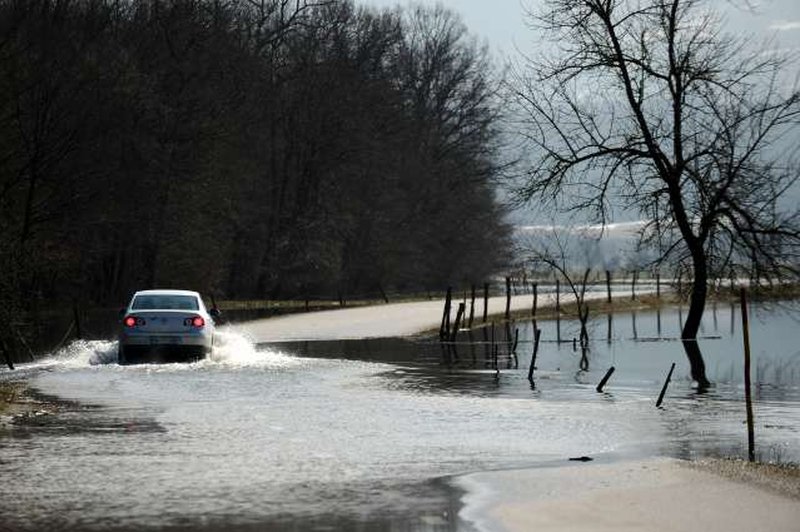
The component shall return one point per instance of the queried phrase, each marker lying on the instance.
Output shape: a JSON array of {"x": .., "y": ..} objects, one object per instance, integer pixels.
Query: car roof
[{"x": 166, "y": 292}]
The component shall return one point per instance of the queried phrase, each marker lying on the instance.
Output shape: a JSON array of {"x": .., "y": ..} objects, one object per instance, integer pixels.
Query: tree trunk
[{"x": 691, "y": 326}]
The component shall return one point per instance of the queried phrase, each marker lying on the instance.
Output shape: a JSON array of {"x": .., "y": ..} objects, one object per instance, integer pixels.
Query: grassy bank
[
  {"x": 11, "y": 394},
  {"x": 15, "y": 401},
  {"x": 569, "y": 309}
]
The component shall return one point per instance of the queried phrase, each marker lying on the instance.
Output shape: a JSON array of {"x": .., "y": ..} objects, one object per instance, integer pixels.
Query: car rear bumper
[
  {"x": 166, "y": 338},
  {"x": 161, "y": 353},
  {"x": 163, "y": 348}
]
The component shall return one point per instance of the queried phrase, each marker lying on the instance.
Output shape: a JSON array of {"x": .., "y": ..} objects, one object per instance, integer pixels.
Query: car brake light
[
  {"x": 132, "y": 321},
  {"x": 196, "y": 321}
]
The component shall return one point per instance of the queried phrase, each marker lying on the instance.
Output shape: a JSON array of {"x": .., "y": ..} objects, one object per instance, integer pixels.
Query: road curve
[{"x": 378, "y": 321}]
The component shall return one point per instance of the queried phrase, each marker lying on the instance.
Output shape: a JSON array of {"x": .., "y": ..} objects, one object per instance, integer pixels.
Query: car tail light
[
  {"x": 133, "y": 321},
  {"x": 196, "y": 321}
]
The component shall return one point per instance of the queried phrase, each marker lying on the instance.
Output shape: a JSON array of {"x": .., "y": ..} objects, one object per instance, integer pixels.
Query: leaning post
[
  {"x": 457, "y": 324},
  {"x": 604, "y": 380},
  {"x": 537, "y": 334},
  {"x": 666, "y": 384}
]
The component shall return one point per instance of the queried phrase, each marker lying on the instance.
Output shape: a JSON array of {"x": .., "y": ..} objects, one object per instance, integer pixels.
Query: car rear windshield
[{"x": 165, "y": 302}]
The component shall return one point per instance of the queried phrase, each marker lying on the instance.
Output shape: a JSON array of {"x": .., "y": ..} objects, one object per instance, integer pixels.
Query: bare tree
[
  {"x": 648, "y": 105},
  {"x": 570, "y": 253},
  {"x": 246, "y": 148}
]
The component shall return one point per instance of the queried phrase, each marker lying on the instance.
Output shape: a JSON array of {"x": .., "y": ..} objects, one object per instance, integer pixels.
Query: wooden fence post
[
  {"x": 383, "y": 293},
  {"x": 459, "y": 315},
  {"x": 471, "y": 307},
  {"x": 508, "y": 298},
  {"x": 444, "y": 330},
  {"x": 658, "y": 285},
  {"x": 485, "y": 301},
  {"x": 751, "y": 446}
]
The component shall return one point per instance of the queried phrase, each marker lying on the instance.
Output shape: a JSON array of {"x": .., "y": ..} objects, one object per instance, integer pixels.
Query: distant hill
[{"x": 610, "y": 247}]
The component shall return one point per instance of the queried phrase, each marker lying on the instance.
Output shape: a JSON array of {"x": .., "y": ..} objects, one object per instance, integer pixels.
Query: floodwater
[{"x": 365, "y": 435}]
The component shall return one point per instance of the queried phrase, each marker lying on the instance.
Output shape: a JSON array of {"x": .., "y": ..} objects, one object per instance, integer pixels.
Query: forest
[{"x": 242, "y": 148}]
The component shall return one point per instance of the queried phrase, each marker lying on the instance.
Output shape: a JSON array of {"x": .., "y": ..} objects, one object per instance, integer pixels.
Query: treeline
[{"x": 246, "y": 148}]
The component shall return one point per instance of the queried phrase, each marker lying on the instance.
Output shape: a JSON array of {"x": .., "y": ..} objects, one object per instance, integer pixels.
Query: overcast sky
[{"x": 501, "y": 23}]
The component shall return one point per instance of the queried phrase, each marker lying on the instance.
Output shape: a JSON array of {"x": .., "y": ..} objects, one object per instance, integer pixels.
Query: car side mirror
[
  {"x": 215, "y": 313},
  {"x": 121, "y": 313}
]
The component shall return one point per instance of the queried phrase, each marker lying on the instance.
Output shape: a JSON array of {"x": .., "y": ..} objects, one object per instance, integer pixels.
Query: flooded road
[{"x": 363, "y": 435}]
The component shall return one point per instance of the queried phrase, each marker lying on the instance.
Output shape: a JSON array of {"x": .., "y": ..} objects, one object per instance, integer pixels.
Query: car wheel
[{"x": 121, "y": 358}]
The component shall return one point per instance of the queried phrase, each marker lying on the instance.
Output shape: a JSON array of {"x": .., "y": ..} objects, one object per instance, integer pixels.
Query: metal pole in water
[{"x": 751, "y": 446}]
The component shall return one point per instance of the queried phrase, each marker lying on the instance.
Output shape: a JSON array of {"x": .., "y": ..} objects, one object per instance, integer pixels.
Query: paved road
[{"x": 379, "y": 321}]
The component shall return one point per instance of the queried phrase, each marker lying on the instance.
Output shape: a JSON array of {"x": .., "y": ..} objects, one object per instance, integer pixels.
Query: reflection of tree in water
[
  {"x": 583, "y": 366},
  {"x": 584, "y": 363}
]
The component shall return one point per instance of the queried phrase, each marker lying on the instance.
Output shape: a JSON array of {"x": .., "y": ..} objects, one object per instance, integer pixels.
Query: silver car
[{"x": 166, "y": 326}]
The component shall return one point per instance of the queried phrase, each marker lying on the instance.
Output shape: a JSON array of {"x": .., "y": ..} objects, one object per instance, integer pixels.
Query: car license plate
[{"x": 161, "y": 340}]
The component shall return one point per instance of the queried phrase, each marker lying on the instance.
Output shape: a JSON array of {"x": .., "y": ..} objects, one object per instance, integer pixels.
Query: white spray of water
[
  {"x": 81, "y": 353},
  {"x": 232, "y": 349}
]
